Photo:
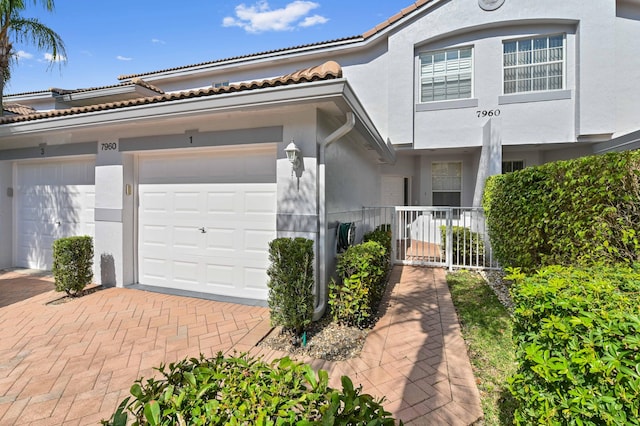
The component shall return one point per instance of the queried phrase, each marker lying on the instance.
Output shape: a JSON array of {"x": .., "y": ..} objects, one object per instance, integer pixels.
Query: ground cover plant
[
  {"x": 581, "y": 211},
  {"x": 242, "y": 390},
  {"x": 486, "y": 327},
  {"x": 577, "y": 332}
]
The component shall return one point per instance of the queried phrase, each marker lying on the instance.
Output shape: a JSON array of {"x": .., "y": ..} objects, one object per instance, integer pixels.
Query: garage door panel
[
  {"x": 220, "y": 239},
  {"x": 262, "y": 202},
  {"x": 185, "y": 272},
  {"x": 257, "y": 241},
  {"x": 220, "y": 276},
  {"x": 221, "y": 202},
  {"x": 187, "y": 238},
  {"x": 219, "y": 193},
  {"x": 156, "y": 270}
]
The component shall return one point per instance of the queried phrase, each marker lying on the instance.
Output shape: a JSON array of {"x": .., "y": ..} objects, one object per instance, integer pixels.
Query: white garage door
[
  {"x": 55, "y": 199},
  {"x": 206, "y": 219}
]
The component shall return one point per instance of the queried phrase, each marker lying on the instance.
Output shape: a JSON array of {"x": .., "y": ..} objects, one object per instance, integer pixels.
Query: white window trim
[
  {"x": 461, "y": 180},
  {"x": 564, "y": 66},
  {"x": 471, "y": 98}
]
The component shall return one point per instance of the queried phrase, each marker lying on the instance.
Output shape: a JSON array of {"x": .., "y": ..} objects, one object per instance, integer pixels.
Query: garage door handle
[{"x": 203, "y": 230}]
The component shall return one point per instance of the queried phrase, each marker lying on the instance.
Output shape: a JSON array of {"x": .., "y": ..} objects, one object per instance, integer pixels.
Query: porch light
[{"x": 293, "y": 154}]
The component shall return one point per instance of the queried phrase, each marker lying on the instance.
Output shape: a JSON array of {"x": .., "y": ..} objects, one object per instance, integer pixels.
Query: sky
[{"x": 108, "y": 38}]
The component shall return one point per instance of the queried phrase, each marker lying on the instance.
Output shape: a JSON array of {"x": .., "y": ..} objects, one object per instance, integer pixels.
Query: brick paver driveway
[{"x": 72, "y": 363}]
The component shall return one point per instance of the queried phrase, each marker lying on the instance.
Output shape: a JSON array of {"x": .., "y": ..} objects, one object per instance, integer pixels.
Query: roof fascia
[
  {"x": 625, "y": 142},
  {"x": 335, "y": 90},
  {"x": 107, "y": 92},
  {"x": 45, "y": 95},
  {"x": 256, "y": 99}
]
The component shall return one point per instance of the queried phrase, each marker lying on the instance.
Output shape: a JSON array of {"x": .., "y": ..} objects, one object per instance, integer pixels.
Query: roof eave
[{"x": 272, "y": 96}]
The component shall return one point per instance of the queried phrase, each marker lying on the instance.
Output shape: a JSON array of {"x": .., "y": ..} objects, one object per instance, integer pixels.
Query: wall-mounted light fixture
[{"x": 293, "y": 154}]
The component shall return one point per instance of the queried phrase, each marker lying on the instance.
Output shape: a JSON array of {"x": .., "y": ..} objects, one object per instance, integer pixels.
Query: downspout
[{"x": 321, "y": 288}]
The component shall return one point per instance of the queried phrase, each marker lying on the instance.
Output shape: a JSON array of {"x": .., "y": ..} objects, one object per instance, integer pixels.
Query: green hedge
[
  {"x": 577, "y": 333},
  {"x": 467, "y": 246},
  {"x": 381, "y": 235},
  {"x": 291, "y": 282},
  {"x": 362, "y": 278},
  {"x": 72, "y": 264},
  {"x": 246, "y": 391},
  {"x": 582, "y": 211}
]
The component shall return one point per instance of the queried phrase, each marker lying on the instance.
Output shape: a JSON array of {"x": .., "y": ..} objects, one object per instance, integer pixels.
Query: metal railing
[{"x": 451, "y": 237}]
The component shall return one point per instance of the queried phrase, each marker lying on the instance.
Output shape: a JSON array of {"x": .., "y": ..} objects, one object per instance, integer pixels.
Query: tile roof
[
  {"x": 368, "y": 34},
  {"x": 18, "y": 109},
  {"x": 326, "y": 71}
]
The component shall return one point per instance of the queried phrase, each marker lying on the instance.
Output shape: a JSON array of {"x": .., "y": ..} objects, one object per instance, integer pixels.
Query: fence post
[
  {"x": 394, "y": 234},
  {"x": 449, "y": 245}
]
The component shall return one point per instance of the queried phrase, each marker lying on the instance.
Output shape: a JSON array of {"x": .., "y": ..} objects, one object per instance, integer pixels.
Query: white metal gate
[{"x": 452, "y": 237}]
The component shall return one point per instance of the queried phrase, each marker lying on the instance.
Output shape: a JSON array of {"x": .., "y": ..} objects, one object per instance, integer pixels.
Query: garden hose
[{"x": 346, "y": 235}]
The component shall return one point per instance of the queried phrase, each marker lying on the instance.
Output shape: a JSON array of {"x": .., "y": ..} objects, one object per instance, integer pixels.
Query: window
[
  {"x": 446, "y": 184},
  {"x": 534, "y": 65},
  {"x": 446, "y": 75},
  {"x": 512, "y": 166}
]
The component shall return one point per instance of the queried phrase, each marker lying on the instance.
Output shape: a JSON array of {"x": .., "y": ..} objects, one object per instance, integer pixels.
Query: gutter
[{"x": 321, "y": 287}]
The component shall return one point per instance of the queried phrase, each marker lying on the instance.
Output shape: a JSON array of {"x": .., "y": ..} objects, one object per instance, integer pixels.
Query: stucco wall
[{"x": 627, "y": 75}]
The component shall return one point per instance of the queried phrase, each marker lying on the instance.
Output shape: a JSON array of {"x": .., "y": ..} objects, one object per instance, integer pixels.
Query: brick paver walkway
[{"x": 72, "y": 363}]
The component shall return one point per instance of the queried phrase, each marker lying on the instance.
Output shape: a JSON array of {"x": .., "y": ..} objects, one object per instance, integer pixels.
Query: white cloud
[
  {"x": 157, "y": 41},
  {"x": 21, "y": 54},
  {"x": 123, "y": 58},
  {"x": 310, "y": 21},
  {"x": 260, "y": 17},
  {"x": 49, "y": 57}
]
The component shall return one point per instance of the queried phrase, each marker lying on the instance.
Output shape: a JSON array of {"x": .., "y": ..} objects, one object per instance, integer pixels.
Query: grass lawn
[{"x": 487, "y": 328}]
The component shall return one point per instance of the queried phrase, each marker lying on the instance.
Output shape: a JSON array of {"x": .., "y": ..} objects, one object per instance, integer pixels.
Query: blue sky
[{"x": 105, "y": 39}]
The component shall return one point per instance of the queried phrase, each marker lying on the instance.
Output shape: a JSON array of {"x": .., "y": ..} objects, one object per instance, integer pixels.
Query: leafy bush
[
  {"x": 581, "y": 211},
  {"x": 577, "y": 333},
  {"x": 362, "y": 274},
  {"x": 244, "y": 390},
  {"x": 467, "y": 247},
  {"x": 382, "y": 236},
  {"x": 291, "y": 282},
  {"x": 72, "y": 264}
]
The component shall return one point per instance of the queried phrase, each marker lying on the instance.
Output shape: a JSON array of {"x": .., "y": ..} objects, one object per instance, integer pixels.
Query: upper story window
[
  {"x": 534, "y": 64},
  {"x": 446, "y": 74}
]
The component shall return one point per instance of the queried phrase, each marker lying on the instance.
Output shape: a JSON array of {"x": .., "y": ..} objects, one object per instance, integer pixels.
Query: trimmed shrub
[
  {"x": 246, "y": 391},
  {"x": 291, "y": 282},
  {"x": 467, "y": 246},
  {"x": 362, "y": 274},
  {"x": 582, "y": 211},
  {"x": 577, "y": 333},
  {"x": 381, "y": 235},
  {"x": 72, "y": 264}
]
